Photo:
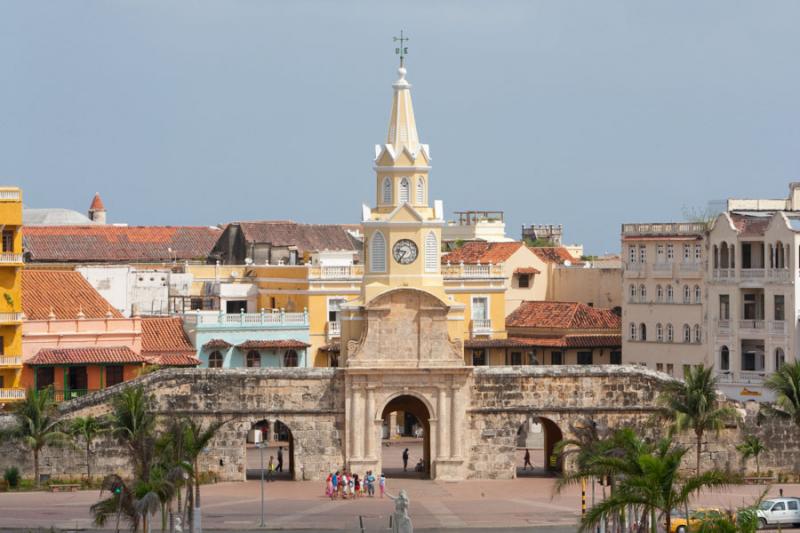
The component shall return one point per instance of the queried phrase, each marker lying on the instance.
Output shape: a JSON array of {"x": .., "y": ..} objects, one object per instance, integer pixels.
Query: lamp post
[{"x": 260, "y": 446}]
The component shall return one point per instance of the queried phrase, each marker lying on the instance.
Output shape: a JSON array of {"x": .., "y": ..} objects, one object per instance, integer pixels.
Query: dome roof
[{"x": 53, "y": 216}]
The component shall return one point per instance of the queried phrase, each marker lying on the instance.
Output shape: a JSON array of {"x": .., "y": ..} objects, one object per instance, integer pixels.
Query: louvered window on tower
[
  {"x": 420, "y": 191},
  {"x": 404, "y": 195},
  {"x": 431, "y": 253},
  {"x": 387, "y": 191},
  {"x": 377, "y": 258}
]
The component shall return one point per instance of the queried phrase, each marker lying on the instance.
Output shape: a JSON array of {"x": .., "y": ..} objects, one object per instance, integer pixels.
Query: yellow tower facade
[{"x": 11, "y": 300}]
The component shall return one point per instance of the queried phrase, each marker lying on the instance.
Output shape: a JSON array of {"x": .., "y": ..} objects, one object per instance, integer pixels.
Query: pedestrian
[
  {"x": 280, "y": 459},
  {"x": 527, "y": 460},
  {"x": 351, "y": 485},
  {"x": 329, "y": 485},
  {"x": 356, "y": 485},
  {"x": 271, "y": 469},
  {"x": 335, "y": 485},
  {"x": 370, "y": 484},
  {"x": 382, "y": 484},
  {"x": 344, "y": 482},
  {"x": 405, "y": 460}
]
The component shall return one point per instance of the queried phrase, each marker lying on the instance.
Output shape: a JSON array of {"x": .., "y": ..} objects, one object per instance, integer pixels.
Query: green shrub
[{"x": 11, "y": 475}]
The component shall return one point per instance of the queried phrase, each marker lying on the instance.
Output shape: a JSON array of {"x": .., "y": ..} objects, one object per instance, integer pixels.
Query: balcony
[
  {"x": 482, "y": 327},
  {"x": 635, "y": 270},
  {"x": 724, "y": 274},
  {"x": 274, "y": 318},
  {"x": 756, "y": 274},
  {"x": 779, "y": 275},
  {"x": 777, "y": 327},
  {"x": 6, "y": 318},
  {"x": 476, "y": 271},
  {"x": 752, "y": 377},
  {"x": 751, "y": 324},
  {"x": 333, "y": 330},
  {"x": 10, "y": 361},
  {"x": 10, "y": 195},
  {"x": 7, "y": 258},
  {"x": 7, "y": 395},
  {"x": 725, "y": 376},
  {"x": 670, "y": 228},
  {"x": 691, "y": 270},
  {"x": 662, "y": 270},
  {"x": 344, "y": 272}
]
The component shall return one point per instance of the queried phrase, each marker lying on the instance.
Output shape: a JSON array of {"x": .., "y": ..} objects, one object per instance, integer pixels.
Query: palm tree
[
  {"x": 785, "y": 383},
  {"x": 752, "y": 447},
  {"x": 648, "y": 481},
  {"x": 88, "y": 428},
  {"x": 693, "y": 404},
  {"x": 133, "y": 425},
  {"x": 137, "y": 501},
  {"x": 195, "y": 439},
  {"x": 37, "y": 426}
]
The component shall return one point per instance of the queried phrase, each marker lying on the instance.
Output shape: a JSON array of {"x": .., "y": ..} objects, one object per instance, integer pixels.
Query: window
[
  {"x": 632, "y": 255},
  {"x": 533, "y": 359},
  {"x": 659, "y": 367},
  {"x": 698, "y": 253},
  {"x": 431, "y": 253},
  {"x": 404, "y": 191},
  {"x": 659, "y": 332},
  {"x": 480, "y": 308},
  {"x": 633, "y": 332},
  {"x": 686, "y": 369},
  {"x": 642, "y": 254},
  {"x": 523, "y": 281},
  {"x": 616, "y": 357},
  {"x": 378, "y": 253},
  {"x": 387, "y": 190},
  {"x": 687, "y": 295},
  {"x": 584, "y": 358},
  {"x": 516, "y": 358},
  {"x": 698, "y": 294},
  {"x": 557, "y": 358},
  {"x": 687, "y": 253},
  {"x": 420, "y": 191},
  {"x": 780, "y": 307},
  {"x": 724, "y": 359},
  {"x": 633, "y": 293},
  {"x": 670, "y": 369},
  {"x": 670, "y": 253},
  {"x": 290, "y": 358},
  {"x": 253, "y": 359},
  {"x": 659, "y": 253},
  {"x": 45, "y": 377},
  {"x": 478, "y": 357},
  {"x": 642, "y": 332},
  {"x": 791, "y": 505},
  {"x": 334, "y": 307},
  {"x": 659, "y": 293},
  {"x": 2, "y": 346},
  {"x": 670, "y": 333},
  {"x": 670, "y": 294},
  {"x": 724, "y": 307},
  {"x": 114, "y": 375},
  {"x": 780, "y": 358},
  {"x": 215, "y": 360},
  {"x": 698, "y": 333},
  {"x": 687, "y": 333},
  {"x": 642, "y": 293},
  {"x": 779, "y": 507},
  {"x": 8, "y": 240}
]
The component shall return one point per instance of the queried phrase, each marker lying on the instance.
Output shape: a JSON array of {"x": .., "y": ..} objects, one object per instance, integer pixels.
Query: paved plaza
[{"x": 520, "y": 503}]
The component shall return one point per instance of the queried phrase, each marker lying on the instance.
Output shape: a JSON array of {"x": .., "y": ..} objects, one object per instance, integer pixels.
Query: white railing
[
  {"x": 635, "y": 267},
  {"x": 725, "y": 376},
  {"x": 10, "y": 360},
  {"x": 6, "y": 257},
  {"x": 777, "y": 327},
  {"x": 752, "y": 273},
  {"x": 671, "y": 228},
  {"x": 336, "y": 272},
  {"x": 9, "y": 195},
  {"x": 691, "y": 268},
  {"x": 662, "y": 267},
  {"x": 478, "y": 270},
  {"x": 751, "y": 324},
  {"x": 333, "y": 330},
  {"x": 481, "y": 327},
  {"x": 724, "y": 274},
  {"x": 12, "y": 394},
  {"x": 752, "y": 376},
  {"x": 10, "y": 317},
  {"x": 778, "y": 274},
  {"x": 264, "y": 318}
]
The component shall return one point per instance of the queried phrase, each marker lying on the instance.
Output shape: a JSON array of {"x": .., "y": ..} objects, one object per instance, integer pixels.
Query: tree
[
  {"x": 88, "y": 428},
  {"x": 752, "y": 447},
  {"x": 196, "y": 439},
  {"x": 785, "y": 383},
  {"x": 133, "y": 425},
  {"x": 692, "y": 404},
  {"x": 36, "y": 425}
]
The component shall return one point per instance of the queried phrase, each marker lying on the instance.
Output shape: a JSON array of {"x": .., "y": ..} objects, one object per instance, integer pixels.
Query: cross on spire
[{"x": 401, "y": 50}]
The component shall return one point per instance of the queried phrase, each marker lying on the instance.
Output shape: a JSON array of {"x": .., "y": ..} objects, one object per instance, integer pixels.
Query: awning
[
  {"x": 281, "y": 344},
  {"x": 527, "y": 270},
  {"x": 217, "y": 344}
]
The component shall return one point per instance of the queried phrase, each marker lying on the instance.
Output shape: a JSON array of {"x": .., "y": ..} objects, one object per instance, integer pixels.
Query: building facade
[{"x": 11, "y": 389}]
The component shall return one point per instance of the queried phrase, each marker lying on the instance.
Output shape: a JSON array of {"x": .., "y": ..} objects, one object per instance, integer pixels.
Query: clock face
[{"x": 404, "y": 251}]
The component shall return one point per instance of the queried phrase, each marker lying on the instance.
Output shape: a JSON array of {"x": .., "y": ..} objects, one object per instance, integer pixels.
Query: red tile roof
[
  {"x": 217, "y": 343},
  {"x": 97, "y": 203},
  {"x": 559, "y": 341},
  {"x": 473, "y": 252},
  {"x": 306, "y": 237},
  {"x": 165, "y": 343},
  {"x": 556, "y": 255},
  {"x": 272, "y": 345},
  {"x": 65, "y": 293},
  {"x": 750, "y": 225},
  {"x": 527, "y": 270},
  {"x": 101, "y": 243},
  {"x": 563, "y": 315},
  {"x": 87, "y": 355}
]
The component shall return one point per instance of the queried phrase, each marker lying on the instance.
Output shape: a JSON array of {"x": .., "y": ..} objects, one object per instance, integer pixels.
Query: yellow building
[{"x": 11, "y": 302}]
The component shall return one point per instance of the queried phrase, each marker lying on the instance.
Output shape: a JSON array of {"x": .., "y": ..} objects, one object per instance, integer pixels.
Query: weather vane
[{"x": 401, "y": 50}]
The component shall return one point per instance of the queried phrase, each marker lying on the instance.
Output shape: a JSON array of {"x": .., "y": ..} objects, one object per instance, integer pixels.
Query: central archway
[
  {"x": 276, "y": 442},
  {"x": 538, "y": 436},
  {"x": 409, "y": 430}
]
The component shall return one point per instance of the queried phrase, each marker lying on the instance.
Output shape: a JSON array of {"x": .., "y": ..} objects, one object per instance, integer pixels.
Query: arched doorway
[
  {"x": 406, "y": 426},
  {"x": 276, "y": 442},
  {"x": 538, "y": 436}
]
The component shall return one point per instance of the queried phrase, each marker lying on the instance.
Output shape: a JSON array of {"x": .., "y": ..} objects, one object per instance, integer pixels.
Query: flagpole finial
[{"x": 401, "y": 50}]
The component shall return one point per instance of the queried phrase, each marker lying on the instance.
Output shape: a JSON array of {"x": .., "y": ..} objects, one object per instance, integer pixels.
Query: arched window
[
  {"x": 633, "y": 292},
  {"x": 253, "y": 359},
  {"x": 642, "y": 332},
  {"x": 724, "y": 255},
  {"x": 659, "y": 293},
  {"x": 687, "y": 333},
  {"x": 780, "y": 358},
  {"x": 377, "y": 254},
  {"x": 431, "y": 253},
  {"x": 670, "y": 333},
  {"x": 215, "y": 360},
  {"x": 420, "y": 191},
  {"x": 670, "y": 295},
  {"x": 633, "y": 331},
  {"x": 698, "y": 294},
  {"x": 290, "y": 358},
  {"x": 387, "y": 190},
  {"x": 724, "y": 359},
  {"x": 404, "y": 191},
  {"x": 642, "y": 293},
  {"x": 659, "y": 332},
  {"x": 687, "y": 295},
  {"x": 698, "y": 333}
]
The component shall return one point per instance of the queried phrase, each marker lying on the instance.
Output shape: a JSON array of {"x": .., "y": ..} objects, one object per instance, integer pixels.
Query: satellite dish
[{"x": 567, "y": 263}]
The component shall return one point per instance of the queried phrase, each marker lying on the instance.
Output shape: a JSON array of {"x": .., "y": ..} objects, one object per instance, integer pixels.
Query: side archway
[{"x": 408, "y": 416}]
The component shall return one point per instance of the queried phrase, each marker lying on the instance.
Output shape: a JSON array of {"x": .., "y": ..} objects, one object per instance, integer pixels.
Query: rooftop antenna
[{"x": 401, "y": 50}]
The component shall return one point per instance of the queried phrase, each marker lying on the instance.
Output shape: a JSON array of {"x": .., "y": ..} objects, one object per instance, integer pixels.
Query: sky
[{"x": 582, "y": 113}]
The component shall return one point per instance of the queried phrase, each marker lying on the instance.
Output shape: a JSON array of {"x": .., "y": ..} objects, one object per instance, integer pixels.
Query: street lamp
[{"x": 260, "y": 445}]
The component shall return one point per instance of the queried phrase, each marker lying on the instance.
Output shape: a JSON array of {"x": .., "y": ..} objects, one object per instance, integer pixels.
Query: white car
[{"x": 779, "y": 511}]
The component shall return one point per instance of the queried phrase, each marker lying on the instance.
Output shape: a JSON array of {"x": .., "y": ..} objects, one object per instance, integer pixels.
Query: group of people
[
  {"x": 348, "y": 485},
  {"x": 272, "y": 467}
]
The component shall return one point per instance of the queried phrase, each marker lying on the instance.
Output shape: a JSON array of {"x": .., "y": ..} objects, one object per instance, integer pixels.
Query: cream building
[{"x": 663, "y": 314}]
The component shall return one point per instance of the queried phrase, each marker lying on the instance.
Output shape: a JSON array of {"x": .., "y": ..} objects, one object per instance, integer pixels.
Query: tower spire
[
  {"x": 402, "y": 125},
  {"x": 401, "y": 50}
]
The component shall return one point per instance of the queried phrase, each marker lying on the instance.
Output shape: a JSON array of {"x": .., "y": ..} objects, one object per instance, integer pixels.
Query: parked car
[
  {"x": 678, "y": 522},
  {"x": 779, "y": 511}
]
